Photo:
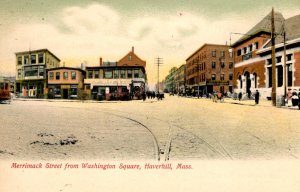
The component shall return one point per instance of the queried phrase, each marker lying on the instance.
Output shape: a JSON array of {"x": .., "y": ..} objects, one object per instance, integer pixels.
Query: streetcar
[{"x": 4, "y": 91}]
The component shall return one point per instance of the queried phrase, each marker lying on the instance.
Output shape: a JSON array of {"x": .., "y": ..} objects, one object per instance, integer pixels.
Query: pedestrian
[
  {"x": 240, "y": 96},
  {"x": 289, "y": 98},
  {"x": 256, "y": 97}
]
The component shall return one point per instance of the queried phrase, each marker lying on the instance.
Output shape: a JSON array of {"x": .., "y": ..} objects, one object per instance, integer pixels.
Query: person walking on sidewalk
[
  {"x": 299, "y": 99},
  {"x": 256, "y": 97},
  {"x": 240, "y": 96}
]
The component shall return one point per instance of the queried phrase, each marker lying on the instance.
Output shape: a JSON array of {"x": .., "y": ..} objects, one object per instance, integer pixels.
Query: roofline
[
  {"x": 38, "y": 50},
  {"x": 247, "y": 37},
  {"x": 279, "y": 45},
  {"x": 134, "y": 54},
  {"x": 204, "y": 45}
]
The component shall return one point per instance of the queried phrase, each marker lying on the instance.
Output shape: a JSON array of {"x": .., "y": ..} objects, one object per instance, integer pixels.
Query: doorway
[{"x": 65, "y": 94}]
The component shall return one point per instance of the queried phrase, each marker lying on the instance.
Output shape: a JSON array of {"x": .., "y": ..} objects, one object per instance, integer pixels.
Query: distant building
[
  {"x": 180, "y": 78},
  {"x": 124, "y": 79},
  {"x": 170, "y": 80},
  {"x": 65, "y": 82},
  {"x": 31, "y": 68},
  {"x": 208, "y": 69}
]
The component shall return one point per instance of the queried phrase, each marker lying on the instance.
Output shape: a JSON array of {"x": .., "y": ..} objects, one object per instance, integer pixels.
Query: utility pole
[
  {"x": 284, "y": 62},
  {"x": 159, "y": 61},
  {"x": 273, "y": 60}
]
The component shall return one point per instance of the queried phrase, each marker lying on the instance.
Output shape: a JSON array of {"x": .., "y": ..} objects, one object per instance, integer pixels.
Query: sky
[{"x": 81, "y": 31}]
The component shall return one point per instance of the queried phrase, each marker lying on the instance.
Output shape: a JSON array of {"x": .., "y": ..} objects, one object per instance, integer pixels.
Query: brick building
[
  {"x": 249, "y": 67},
  {"x": 117, "y": 80},
  {"x": 209, "y": 69},
  {"x": 65, "y": 82}
]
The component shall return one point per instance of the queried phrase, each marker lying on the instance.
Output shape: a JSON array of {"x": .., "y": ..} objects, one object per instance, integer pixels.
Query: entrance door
[
  {"x": 65, "y": 94},
  {"x": 248, "y": 82}
]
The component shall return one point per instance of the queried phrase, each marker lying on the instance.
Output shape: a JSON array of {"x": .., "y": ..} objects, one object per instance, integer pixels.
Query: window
[
  {"x": 33, "y": 59},
  {"x": 214, "y": 53},
  {"x": 66, "y": 75},
  {"x": 270, "y": 76},
  {"x": 96, "y": 74},
  {"x": 73, "y": 75},
  {"x": 108, "y": 73},
  {"x": 290, "y": 75},
  {"x": 222, "y": 77},
  {"x": 230, "y": 76},
  {"x": 136, "y": 73},
  {"x": 213, "y": 64},
  {"x": 278, "y": 59},
  {"x": 245, "y": 50},
  {"x": 90, "y": 74},
  {"x": 289, "y": 57},
  {"x": 129, "y": 73},
  {"x": 213, "y": 77},
  {"x": 269, "y": 61},
  {"x": 222, "y": 64},
  {"x": 222, "y": 53},
  {"x": 116, "y": 74},
  {"x": 26, "y": 59},
  {"x": 19, "y": 60},
  {"x": 41, "y": 57},
  {"x": 57, "y": 75},
  {"x": 122, "y": 73},
  {"x": 129, "y": 58},
  {"x": 19, "y": 73},
  {"x": 250, "y": 48},
  {"x": 239, "y": 52},
  {"x": 230, "y": 54},
  {"x": 230, "y": 65},
  {"x": 51, "y": 75},
  {"x": 256, "y": 45}
]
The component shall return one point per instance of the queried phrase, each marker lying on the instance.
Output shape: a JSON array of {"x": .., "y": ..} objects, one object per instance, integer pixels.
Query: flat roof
[{"x": 37, "y": 50}]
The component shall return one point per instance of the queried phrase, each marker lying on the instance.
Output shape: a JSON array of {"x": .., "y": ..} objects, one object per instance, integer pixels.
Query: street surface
[{"x": 175, "y": 128}]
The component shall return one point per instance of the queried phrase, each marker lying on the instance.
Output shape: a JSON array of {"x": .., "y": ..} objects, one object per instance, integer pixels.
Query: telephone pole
[
  {"x": 158, "y": 61},
  {"x": 273, "y": 60}
]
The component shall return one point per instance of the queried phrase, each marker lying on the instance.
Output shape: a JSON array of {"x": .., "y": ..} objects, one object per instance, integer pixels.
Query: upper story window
[
  {"x": 129, "y": 58},
  {"x": 129, "y": 73},
  {"x": 116, "y": 74},
  {"x": 213, "y": 64},
  {"x": 19, "y": 60},
  {"x": 278, "y": 59},
  {"x": 90, "y": 74},
  {"x": 222, "y": 77},
  {"x": 230, "y": 76},
  {"x": 19, "y": 73},
  {"x": 245, "y": 50},
  {"x": 96, "y": 74},
  {"x": 256, "y": 45},
  {"x": 41, "y": 57},
  {"x": 230, "y": 54},
  {"x": 230, "y": 65},
  {"x": 289, "y": 57},
  {"x": 51, "y": 75},
  {"x": 214, "y": 53},
  {"x": 73, "y": 75},
  {"x": 222, "y": 64},
  {"x": 250, "y": 47},
  {"x": 122, "y": 74},
  {"x": 65, "y": 75},
  {"x": 136, "y": 73},
  {"x": 108, "y": 74},
  {"x": 33, "y": 59},
  {"x": 239, "y": 52},
  {"x": 57, "y": 75},
  {"x": 213, "y": 77},
  {"x": 26, "y": 59},
  {"x": 222, "y": 53},
  {"x": 269, "y": 61}
]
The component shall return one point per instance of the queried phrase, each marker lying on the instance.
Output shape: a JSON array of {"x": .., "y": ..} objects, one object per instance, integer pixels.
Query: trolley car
[{"x": 4, "y": 91}]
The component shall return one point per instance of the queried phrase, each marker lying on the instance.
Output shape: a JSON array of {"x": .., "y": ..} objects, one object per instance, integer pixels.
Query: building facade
[
  {"x": 31, "y": 68},
  {"x": 120, "y": 80},
  {"x": 209, "y": 69},
  {"x": 250, "y": 72},
  {"x": 65, "y": 83}
]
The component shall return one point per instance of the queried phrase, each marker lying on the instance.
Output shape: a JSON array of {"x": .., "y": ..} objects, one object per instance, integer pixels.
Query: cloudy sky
[{"x": 80, "y": 31}]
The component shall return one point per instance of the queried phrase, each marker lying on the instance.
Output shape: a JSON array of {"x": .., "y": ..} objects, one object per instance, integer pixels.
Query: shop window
[
  {"x": 51, "y": 75},
  {"x": 73, "y": 75},
  {"x": 57, "y": 75}
]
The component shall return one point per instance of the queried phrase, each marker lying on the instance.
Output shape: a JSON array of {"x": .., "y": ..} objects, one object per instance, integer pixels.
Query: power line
[{"x": 158, "y": 62}]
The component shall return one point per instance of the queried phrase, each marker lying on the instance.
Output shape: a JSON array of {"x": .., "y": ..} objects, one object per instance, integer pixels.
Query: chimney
[
  {"x": 132, "y": 49},
  {"x": 100, "y": 61}
]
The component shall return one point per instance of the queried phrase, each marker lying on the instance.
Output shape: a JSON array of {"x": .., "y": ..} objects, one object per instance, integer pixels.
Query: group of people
[
  {"x": 293, "y": 98},
  {"x": 256, "y": 96}
]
